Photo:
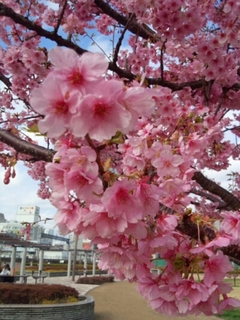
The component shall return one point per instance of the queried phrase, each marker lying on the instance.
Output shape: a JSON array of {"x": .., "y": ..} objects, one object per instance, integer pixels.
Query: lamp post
[{"x": 74, "y": 257}]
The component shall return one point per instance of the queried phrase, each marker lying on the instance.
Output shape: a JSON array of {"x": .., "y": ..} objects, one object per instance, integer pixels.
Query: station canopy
[{"x": 17, "y": 241}]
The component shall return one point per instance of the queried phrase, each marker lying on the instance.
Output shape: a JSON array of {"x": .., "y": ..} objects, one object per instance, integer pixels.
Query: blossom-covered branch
[{"x": 132, "y": 132}]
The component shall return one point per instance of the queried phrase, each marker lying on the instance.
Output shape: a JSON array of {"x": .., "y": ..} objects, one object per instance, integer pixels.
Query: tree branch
[
  {"x": 206, "y": 233},
  {"x": 25, "y": 22},
  {"x": 120, "y": 40},
  {"x": 35, "y": 151},
  {"x": 19, "y": 19},
  {"x": 209, "y": 197},
  {"x": 214, "y": 188},
  {"x": 186, "y": 226},
  {"x": 5, "y": 80},
  {"x": 141, "y": 30}
]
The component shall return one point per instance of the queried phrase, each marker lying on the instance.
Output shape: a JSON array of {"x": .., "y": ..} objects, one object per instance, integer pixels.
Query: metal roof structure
[{"x": 16, "y": 241}]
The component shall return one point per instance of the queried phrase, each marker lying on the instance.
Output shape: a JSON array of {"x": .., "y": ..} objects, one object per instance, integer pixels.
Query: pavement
[{"x": 117, "y": 301}]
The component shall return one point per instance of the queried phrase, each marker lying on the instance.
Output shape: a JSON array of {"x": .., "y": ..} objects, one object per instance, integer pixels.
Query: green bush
[
  {"x": 35, "y": 293},
  {"x": 230, "y": 314}
]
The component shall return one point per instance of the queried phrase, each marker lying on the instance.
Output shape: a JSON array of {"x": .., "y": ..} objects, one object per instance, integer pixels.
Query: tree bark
[{"x": 36, "y": 152}]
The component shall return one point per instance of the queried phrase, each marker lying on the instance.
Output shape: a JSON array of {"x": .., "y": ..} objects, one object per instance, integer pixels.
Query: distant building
[
  {"x": 45, "y": 240},
  {"x": 2, "y": 217},
  {"x": 27, "y": 218},
  {"x": 11, "y": 227},
  {"x": 28, "y": 214},
  {"x": 26, "y": 225},
  {"x": 16, "y": 227}
]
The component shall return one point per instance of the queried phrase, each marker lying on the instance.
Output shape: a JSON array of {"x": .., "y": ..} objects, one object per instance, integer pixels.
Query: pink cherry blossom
[
  {"x": 77, "y": 72},
  {"x": 67, "y": 215},
  {"x": 57, "y": 104},
  {"x": 104, "y": 225},
  {"x": 85, "y": 184},
  {"x": 167, "y": 222},
  {"x": 101, "y": 115},
  {"x": 168, "y": 163},
  {"x": 209, "y": 248},
  {"x": 149, "y": 195},
  {"x": 215, "y": 268},
  {"x": 228, "y": 304},
  {"x": 231, "y": 223},
  {"x": 119, "y": 198},
  {"x": 137, "y": 104}
]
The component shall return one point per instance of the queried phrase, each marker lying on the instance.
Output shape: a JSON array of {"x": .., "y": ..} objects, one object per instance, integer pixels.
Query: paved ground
[{"x": 119, "y": 301}]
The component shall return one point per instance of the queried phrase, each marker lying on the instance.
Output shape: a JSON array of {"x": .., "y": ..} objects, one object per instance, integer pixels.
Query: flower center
[
  {"x": 100, "y": 110},
  {"x": 60, "y": 108},
  {"x": 76, "y": 78}
]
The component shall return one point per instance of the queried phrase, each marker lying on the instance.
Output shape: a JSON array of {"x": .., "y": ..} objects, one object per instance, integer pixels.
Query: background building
[
  {"x": 26, "y": 226},
  {"x": 28, "y": 214},
  {"x": 2, "y": 217}
]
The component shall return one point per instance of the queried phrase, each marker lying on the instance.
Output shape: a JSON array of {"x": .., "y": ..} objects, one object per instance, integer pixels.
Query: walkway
[
  {"x": 118, "y": 301},
  {"x": 121, "y": 301}
]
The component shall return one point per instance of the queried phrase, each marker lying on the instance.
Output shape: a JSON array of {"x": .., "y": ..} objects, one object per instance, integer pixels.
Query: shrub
[
  {"x": 95, "y": 279},
  {"x": 35, "y": 293}
]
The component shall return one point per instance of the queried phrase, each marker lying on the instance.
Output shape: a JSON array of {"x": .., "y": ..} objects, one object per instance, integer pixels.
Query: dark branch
[
  {"x": 35, "y": 151},
  {"x": 210, "y": 197},
  {"x": 5, "y": 80},
  {"x": 61, "y": 17},
  {"x": 141, "y": 30},
  {"x": 23, "y": 21},
  {"x": 19, "y": 19},
  {"x": 214, "y": 188},
  {"x": 120, "y": 40}
]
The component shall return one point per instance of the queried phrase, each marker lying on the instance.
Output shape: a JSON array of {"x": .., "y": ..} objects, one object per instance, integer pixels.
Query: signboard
[{"x": 28, "y": 213}]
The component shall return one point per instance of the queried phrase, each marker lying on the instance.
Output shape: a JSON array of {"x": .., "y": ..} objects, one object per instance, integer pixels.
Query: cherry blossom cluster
[
  {"x": 116, "y": 201},
  {"x": 129, "y": 135}
]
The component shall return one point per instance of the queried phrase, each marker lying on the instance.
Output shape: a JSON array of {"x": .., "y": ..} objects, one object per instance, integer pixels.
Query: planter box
[{"x": 82, "y": 310}]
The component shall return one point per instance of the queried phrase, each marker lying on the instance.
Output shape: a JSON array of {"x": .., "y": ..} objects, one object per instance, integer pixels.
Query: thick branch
[
  {"x": 35, "y": 151},
  {"x": 5, "y": 80},
  {"x": 206, "y": 233},
  {"x": 19, "y": 19},
  {"x": 214, "y": 188},
  {"x": 209, "y": 197},
  {"x": 141, "y": 30}
]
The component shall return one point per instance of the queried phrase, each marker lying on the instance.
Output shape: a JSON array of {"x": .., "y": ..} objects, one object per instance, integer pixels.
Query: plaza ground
[{"x": 121, "y": 301}]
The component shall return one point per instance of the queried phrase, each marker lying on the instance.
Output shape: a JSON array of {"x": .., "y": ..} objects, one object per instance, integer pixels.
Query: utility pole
[{"x": 74, "y": 257}]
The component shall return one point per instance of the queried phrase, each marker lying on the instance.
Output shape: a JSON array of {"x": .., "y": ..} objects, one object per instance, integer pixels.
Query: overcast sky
[{"x": 22, "y": 190}]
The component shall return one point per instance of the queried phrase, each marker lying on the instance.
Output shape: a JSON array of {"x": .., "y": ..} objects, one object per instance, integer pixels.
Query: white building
[
  {"x": 27, "y": 218},
  {"x": 28, "y": 214},
  {"x": 11, "y": 227},
  {"x": 16, "y": 227}
]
